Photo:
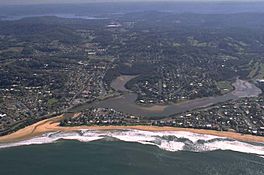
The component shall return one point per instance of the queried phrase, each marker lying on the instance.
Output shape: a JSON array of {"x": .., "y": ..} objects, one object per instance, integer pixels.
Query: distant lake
[
  {"x": 126, "y": 102},
  {"x": 60, "y": 15}
]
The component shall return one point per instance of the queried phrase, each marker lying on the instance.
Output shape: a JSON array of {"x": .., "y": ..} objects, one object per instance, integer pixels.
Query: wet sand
[
  {"x": 119, "y": 83},
  {"x": 245, "y": 89},
  {"x": 52, "y": 125}
]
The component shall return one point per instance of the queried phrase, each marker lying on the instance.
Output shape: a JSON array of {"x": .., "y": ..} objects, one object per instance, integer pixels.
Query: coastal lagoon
[
  {"x": 126, "y": 101},
  {"x": 131, "y": 151},
  {"x": 46, "y": 148}
]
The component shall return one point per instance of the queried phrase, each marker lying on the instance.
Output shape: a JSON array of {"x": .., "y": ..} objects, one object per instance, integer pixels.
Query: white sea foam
[
  {"x": 236, "y": 146},
  {"x": 170, "y": 141}
]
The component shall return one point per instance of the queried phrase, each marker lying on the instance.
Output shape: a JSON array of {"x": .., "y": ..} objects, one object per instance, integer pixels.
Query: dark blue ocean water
[{"x": 121, "y": 158}]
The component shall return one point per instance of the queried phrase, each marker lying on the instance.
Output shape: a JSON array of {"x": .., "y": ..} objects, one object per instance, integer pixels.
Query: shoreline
[{"x": 52, "y": 125}]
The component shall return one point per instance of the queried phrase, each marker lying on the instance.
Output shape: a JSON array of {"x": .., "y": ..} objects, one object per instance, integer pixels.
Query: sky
[{"x": 16, "y": 2}]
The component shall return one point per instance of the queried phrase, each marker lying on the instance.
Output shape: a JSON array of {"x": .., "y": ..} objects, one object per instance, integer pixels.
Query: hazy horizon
[{"x": 28, "y": 2}]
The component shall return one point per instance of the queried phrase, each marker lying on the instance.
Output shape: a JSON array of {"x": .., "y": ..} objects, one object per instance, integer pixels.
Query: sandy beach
[{"x": 51, "y": 125}]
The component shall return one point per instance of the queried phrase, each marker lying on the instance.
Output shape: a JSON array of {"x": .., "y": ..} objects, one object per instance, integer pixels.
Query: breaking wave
[{"x": 170, "y": 140}]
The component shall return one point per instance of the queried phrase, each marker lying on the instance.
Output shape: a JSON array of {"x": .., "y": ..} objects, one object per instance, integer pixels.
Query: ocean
[{"x": 131, "y": 152}]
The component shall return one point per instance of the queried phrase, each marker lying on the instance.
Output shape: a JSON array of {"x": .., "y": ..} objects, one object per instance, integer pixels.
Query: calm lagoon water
[{"x": 126, "y": 102}]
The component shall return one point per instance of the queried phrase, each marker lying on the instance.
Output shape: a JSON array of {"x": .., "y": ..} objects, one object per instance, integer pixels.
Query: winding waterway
[{"x": 126, "y": 102}]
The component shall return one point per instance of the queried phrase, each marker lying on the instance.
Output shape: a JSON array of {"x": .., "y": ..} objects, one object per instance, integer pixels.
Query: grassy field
[
  {"x": 52, "y": 102},
  {"x": 96, "y": 57},
  {"x": 224, "y": 86},
  {"x": 257, "y": 71}
]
